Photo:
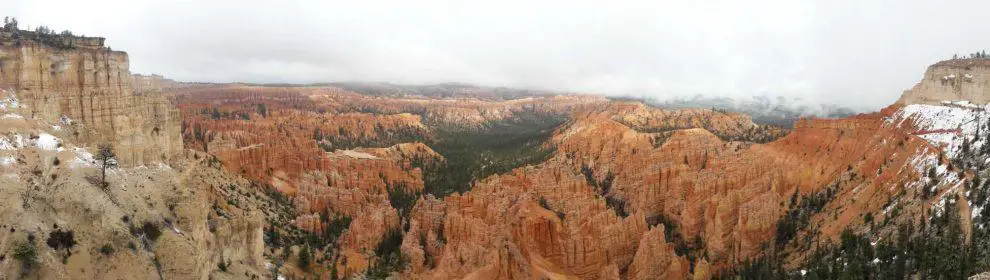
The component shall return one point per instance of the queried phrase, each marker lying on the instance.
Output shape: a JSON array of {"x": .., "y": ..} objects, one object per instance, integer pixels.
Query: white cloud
[{"x": 861, "y": 53}]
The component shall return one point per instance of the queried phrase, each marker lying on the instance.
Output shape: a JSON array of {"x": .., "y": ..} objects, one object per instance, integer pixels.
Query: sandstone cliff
[
  {"x": 952, "y": 80},
  {"x": 89, "y": 86},
  {"x": 147, "y": 222}
]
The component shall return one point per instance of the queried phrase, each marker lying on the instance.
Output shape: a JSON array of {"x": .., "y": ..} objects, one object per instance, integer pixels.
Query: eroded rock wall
[
  {"x": 952, "y": 80},
  {"x": 91, "y": 86}
]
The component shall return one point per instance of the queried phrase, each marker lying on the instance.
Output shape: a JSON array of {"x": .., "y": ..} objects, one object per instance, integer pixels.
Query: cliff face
[
  {"x": 162, "y": 214},
  {"x": 90, "y": 86},
  {"x": 146, "y": 222},
  {"x": 952, "y": 80}
]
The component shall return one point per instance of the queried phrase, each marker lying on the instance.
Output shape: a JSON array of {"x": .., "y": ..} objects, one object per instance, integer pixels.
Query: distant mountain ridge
[
  {"x": 778, "y": 110},
  {"x": 443, "y": 90}
]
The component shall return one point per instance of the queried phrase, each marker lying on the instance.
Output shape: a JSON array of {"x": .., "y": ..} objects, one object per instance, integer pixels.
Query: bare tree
[{"x": 108, "y": 159}]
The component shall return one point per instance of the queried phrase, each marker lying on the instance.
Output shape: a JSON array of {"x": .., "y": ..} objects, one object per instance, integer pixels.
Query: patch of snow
[
  {"x": 945, "y": 126},
  {"x": 803, "y": 272},
  {"x": 876, "y": 260},
  {"x": 83, "y": 159},
  {"x": 11, "y": 116},
  {"x": 889, "y": 207},
  {"x": 19, "y": 141},
  {"x": 9, "y": 103},
  {"x": 7, "y": 160},
  {"x": 6, "y": 144},
  {"x": 46, "y": 142}
]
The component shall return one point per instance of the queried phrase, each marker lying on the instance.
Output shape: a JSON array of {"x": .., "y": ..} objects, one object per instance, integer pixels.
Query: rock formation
[
  {"x": 89, "y": 85},
  {"x": 630, "y": 191},
  {"x": 952, "y": 80},
  {"x": 164, "y": 213},
  {"x": 629, "y": 185},
  {"x": 146, "y": 222}
]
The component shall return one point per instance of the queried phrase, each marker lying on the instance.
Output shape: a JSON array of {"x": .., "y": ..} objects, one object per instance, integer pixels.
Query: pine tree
[
  {"x": 304, "y": 258},
  {"x": 108, "y": 160}
]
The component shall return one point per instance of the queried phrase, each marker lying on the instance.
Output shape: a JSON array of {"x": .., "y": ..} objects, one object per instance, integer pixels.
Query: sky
[{"x": 861, "y": 54}]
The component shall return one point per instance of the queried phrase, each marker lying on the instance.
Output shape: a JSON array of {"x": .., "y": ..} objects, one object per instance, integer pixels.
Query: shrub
[
  {"x": 304, "y": 258},
  {"x": 59, "y": 239},
  {"x": 26, "y": 254},
  {"x": 618, "y": 205},
  {"x": 150, "y": 230},
  {"x": 544, "y": 203},
  {"x": 107, "y": 249},
  {"x": 222, "y": 265}
]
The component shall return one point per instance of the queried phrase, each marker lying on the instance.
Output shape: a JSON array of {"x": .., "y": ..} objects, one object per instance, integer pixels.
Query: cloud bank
[{"x": 844, "y": 52}]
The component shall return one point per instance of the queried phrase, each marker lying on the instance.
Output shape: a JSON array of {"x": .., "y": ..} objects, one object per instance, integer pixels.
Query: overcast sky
[{"x": 858, "y": 53}]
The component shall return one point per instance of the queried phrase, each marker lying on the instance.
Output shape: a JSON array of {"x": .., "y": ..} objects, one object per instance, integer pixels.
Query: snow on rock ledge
[{"x": 951, "y": 127}]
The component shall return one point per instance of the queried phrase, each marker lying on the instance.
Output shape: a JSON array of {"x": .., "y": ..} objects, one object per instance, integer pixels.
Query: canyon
[
  {"x": 239, "y": 181},
  {"x": 628, "y": 191}
]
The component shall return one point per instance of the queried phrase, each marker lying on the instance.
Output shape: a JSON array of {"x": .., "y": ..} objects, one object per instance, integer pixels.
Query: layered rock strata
[{"x": 90, "y": 85}]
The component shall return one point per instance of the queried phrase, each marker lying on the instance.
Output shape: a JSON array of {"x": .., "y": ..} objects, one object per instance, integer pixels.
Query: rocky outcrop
[
  {"x": 89, "y": 85},
  {"x": 952, "y": 80},
  {"x": 147, "y": 222}
]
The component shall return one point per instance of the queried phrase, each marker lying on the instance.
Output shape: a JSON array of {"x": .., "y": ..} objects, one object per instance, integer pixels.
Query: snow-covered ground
[
  {"x": 946, "y": 126},
  {"x": 41, "y": 140},
  {"x": 960, "y": 129},
  {"x": 8, "y": 101}
]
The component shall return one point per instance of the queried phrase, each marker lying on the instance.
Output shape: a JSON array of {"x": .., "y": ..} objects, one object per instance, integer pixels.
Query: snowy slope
[
  {"x": 960, "y": 130},
  {"x": 952, "y": 127}
]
